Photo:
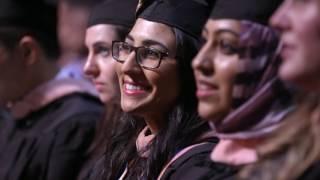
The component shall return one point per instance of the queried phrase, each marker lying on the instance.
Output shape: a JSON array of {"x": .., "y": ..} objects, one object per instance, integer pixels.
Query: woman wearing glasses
[{"x": 157, "y": 85}]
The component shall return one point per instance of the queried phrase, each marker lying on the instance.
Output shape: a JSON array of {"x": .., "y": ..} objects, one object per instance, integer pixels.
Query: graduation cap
[
  {"x": 258, "y": 11},
  {"x": 117, "y": 12},
  {"x": 186, "y": 15}
]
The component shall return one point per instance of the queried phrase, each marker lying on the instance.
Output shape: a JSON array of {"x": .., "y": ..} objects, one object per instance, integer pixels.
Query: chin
[
  {"x": 126, "y": 108},
  {"x": 288, "y": 71},
  {"x": 206, "y": 111},
  {"x": 129, "y": 107}
]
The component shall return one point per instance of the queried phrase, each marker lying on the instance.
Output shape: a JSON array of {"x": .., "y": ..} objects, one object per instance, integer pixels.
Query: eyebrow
[
  {"x": 221, "y": 31},
  {"x": 129, "y": 37},
  {"x": 149, "y": 42},
  {"x": 101, "y": 43}
]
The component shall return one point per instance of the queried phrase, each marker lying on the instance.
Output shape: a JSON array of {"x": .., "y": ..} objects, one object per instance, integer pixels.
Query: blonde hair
[{"x": 290, "y": 151}]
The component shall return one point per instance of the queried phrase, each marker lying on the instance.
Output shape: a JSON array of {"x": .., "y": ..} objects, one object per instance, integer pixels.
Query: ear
[{"x": 30, "y": 50}]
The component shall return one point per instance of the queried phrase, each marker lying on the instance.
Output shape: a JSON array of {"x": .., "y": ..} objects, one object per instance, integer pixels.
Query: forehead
[
  {"x": 148, "y": 30},
  {"x": 223, "y": 24},
  {"x": 101, "y": 32}
]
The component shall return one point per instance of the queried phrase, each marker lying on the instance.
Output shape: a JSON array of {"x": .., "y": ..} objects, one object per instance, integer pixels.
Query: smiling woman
[
  {"x": 157, "y": 85},
  {"x": 237, "y": 86},
  {"x": 145, "y": 92},
  {"x": 216, "y": 67}
]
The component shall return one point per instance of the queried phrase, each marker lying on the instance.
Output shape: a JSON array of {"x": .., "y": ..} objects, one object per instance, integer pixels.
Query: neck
[
  {"x": 41, "y": 73},
  {"x": 154, "y": 122}
]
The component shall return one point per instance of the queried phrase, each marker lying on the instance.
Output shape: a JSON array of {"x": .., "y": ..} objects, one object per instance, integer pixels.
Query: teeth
[
  {"x": 203, "y": 87},
  {"x": 132, "y": 87}
]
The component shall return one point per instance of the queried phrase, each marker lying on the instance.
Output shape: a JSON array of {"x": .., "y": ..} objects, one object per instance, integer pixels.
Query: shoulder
[
  {"x": 69, "y": 121},
  {"x": 74, "y": 109},
  {"x": 75, "y": 118},
  {"x": 78, "y": 103},
  {"x": 195, "y": 164}
]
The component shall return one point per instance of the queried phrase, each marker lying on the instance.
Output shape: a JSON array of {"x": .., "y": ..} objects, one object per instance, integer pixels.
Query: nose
[
  {"x": 280, "y": 19},
  {"x": 203, "y": 61},
  {"x": 91, "y": 68},
  {"x": 130, "y": 65}
]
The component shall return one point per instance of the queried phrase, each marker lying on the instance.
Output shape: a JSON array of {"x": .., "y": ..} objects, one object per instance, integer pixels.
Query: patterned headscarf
[
  {"x": 260, "y": 99},
  {"x": 258, "y": 45}
]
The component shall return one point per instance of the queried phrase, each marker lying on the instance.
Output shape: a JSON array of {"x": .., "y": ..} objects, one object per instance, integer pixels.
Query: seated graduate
[
  {"x": 293, "y": 152},
  {"x": 53, "y": 119},
  {"x": 157, "y": 87},
  {"x": 237, "y": 84}
]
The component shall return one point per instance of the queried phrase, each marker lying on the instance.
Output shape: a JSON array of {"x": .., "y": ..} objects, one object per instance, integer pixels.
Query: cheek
[
  {"x": 110, "y": 69},
  {"x": 308, "y": 32},
  {"x": 226, "y": 71},
  {"x": 225, "y": 74},
  {"x": 118, "y": 68},
  {"x": 305, "y": 61},
  {"x": 166, "y": 84},
  {"x": 10, "y": 82}
]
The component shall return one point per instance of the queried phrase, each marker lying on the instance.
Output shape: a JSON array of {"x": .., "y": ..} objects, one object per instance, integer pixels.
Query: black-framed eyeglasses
[{"x": 148, "y": 58}]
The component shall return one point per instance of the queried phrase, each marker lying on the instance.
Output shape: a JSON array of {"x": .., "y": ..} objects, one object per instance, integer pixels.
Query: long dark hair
[
  {"x": 182, "y": 129},
  {"x": 112, "y": 112},
  {"x": 108, "y": 127}
]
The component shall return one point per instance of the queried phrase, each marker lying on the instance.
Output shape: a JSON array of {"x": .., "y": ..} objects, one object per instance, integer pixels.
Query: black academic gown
[
  {"x": 51, "y": 143},
  {"x": 196, "y": 164},
  {"x": 4, "y": 117}
]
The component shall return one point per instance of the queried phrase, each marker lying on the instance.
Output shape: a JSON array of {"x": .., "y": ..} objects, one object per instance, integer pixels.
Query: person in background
[
  {"x": 157, "y": 87},
  {"x": 109, "y": 21},
  {"x": 53, "y": 120},
  {"x": 237, "y": 84},
  {"x": 293, "y": 152},
  {"x": 72, "y": 21}
]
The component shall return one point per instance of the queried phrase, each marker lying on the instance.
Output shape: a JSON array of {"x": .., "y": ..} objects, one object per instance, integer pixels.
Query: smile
[
  {"x": 205, "y": 90},
  {"x": 134, "y": 89}
]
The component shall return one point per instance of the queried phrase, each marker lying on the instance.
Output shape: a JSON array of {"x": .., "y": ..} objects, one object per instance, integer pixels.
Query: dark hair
[
  {"x": 10, "y": 37},
  {"x": 110, "y": 131},
  {"x": 182, "y": 129},
  {"x": 122, "y": 31},
  {"x": 112, "y": 113},
  {"x": 82, "y": 3}
]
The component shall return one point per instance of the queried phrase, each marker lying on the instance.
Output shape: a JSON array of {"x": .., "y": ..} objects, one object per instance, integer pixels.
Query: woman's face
[
  {"x": 299, "y": 24},
  {"x": 100, "y": 66},
  {"x": 215, "y": 68},
  {"x": 149, "y": 93}
]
